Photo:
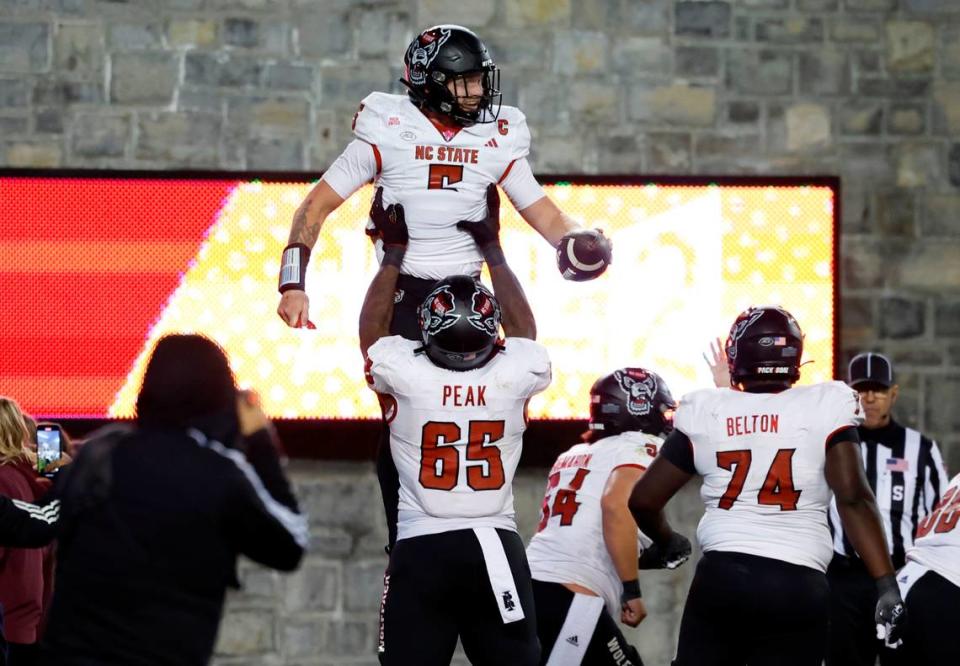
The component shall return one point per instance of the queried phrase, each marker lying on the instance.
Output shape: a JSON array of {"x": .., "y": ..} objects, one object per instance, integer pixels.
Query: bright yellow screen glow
[{"x": 687, "y": 260}]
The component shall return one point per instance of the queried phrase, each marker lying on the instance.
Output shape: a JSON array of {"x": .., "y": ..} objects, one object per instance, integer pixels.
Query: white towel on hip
[
  {"x": 501, "y": 578},
  {"x": 577, "y": 630}
]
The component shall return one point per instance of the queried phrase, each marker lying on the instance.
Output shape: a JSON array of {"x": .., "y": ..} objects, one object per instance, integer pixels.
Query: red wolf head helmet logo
[
  {"x": 437, "y": 313},
  {"x": 486, "y": 310},
  {"x": 640, "y": 388}
]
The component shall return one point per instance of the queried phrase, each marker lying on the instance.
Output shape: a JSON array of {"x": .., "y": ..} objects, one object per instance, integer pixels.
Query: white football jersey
[
  {"x": 762, "y": 459},
  {"x": 569, "y": 545},
  {"x": 937, "y": 545},
  {"x": 439, "y": 178},
  {"x": 456, "y": 437}
]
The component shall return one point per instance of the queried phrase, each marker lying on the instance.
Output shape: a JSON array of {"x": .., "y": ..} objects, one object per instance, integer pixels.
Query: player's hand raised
[
  {"x": 891, "y": 614},
  {"x": 389, "y": 224},
  {"x": 717, "y": 362},
  {"x": 485, "y": 232}
]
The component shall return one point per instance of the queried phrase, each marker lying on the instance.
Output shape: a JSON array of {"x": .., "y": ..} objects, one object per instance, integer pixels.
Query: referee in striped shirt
[{"x": 906, "y": 472}]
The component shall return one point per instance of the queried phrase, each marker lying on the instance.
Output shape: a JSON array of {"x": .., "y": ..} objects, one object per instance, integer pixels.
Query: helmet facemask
[{"x": 444, "y": 55}]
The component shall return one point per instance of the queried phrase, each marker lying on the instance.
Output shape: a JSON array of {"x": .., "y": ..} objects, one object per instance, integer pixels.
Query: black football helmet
[
  {"x": 765, "y": 344},
  {"x": 445, "y": 53},
  {"x": 631, "y": 399},
  {"x": 460, "y": 323}
]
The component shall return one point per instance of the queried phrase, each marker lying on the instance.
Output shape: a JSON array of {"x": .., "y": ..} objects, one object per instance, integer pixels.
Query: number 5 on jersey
[
  {"x": 440, "y": 461},
  {"x": 442, "y": 176}
]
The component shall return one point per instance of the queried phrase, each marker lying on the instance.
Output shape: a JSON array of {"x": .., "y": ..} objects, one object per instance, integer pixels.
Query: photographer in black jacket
[{"x": 152, "y": 519}]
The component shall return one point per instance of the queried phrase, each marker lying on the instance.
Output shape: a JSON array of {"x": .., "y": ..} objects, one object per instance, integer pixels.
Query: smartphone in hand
[{"x": 49, "y": 447}]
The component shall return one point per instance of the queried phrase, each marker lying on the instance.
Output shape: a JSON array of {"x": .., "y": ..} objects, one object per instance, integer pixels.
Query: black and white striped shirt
[{"x": 906, "y": 472}]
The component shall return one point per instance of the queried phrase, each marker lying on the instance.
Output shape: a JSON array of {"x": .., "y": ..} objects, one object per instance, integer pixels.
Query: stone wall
[
  {"x": 327, "y": 612},
  {"x": 865, "y": 89}
]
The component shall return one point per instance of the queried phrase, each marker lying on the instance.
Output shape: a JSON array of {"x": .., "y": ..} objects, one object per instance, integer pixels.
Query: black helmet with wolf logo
[
  {"x": 460, "y": 323},
  {"x": 765, "y": 345},
  {"x": 631, "y": 399},
  {"x": 445, "y": 53}
]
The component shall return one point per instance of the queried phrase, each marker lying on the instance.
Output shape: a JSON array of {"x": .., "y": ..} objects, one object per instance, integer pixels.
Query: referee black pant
[
  {"x": 932, "y": 637},
  {"x": 607, "y": 646},
  {"x": 743, "y": 609},
  {"x": 437, "y": 588},
  {"x": 853, "y": 631},
  {"x": 410, "y": 293}
]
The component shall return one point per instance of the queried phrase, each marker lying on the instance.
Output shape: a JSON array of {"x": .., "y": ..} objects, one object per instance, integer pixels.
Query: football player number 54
[
  {"x": 565, "y": 502},
  {"x": 440, "y": 462}
]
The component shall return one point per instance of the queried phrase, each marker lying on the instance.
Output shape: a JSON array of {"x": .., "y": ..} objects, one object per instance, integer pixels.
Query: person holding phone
[
  {"x": 21, "y": 570},
  {"x": 49, "y": 447},
  {"x": 154, "y": 515}
]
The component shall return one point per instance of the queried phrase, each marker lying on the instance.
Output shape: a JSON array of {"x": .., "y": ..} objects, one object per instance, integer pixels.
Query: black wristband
[
  {"x": 393, "y": 255},
  {"x": 886, "y": 584},
  {"x": 293, "y": 267},
  {"x": 631, "y": 591},
  {"x": 493, "y": 254}
]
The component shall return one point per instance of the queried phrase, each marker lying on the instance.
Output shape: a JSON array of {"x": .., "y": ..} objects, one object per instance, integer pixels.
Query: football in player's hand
[{"x": 583, "y": 255}]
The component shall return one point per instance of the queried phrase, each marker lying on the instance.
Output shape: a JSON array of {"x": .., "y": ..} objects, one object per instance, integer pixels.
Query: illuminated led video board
[{"x": 95, "y": 269}]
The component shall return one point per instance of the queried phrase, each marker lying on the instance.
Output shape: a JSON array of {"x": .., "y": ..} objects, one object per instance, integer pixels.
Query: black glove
[
  {"x": 670, "y": 555},
  {"x": 486, "y": 232},
  {"x": 389, "y": 225},
  {"x": 891, "y": 614}
]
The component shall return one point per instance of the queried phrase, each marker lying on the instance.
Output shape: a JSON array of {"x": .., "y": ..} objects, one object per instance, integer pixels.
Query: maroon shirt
[{"x": 21, "y": 569}]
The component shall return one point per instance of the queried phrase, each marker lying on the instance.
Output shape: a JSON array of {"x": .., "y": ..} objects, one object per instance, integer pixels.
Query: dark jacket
[
  {"x": 26, "y": 525},
  {"x": 21, "y": 569},
  {"x": 151, "y": 526}
]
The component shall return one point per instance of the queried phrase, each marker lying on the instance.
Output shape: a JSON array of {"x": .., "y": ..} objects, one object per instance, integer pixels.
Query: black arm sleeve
[
  {"x": 260, "y": 526},
  {"x": 262, "y": 452},
  {"x": 24, "y": 525},
  {"x": 679, "y": 450},
  {"x": 850, "y": 434}
]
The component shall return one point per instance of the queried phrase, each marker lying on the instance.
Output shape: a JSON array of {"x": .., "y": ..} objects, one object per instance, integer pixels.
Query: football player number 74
[
  {"x": 440, "y": 462},
  {"x": 777, "y": 489}
]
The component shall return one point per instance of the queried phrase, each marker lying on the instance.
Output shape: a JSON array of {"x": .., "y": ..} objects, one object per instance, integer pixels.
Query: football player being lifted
[
  {"x": 770, "y": 453},
  {"x": 456, "y": 403},
  {"x": 435, "y": 151},
  {"x": 584, "y": 557}
]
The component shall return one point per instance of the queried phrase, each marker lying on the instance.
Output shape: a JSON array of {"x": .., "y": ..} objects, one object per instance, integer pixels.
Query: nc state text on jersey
[
  {"x": 447, "y": 154},
  {"x": 464, "y": 396},
  {"x": 748, "y": 425}
]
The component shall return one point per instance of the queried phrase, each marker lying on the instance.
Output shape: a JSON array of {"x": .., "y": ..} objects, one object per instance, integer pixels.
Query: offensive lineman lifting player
[
  {"x": 435, "y": 151},
  {"x": 456, "y": 404},
  {"x": 769, "y": 454}
]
